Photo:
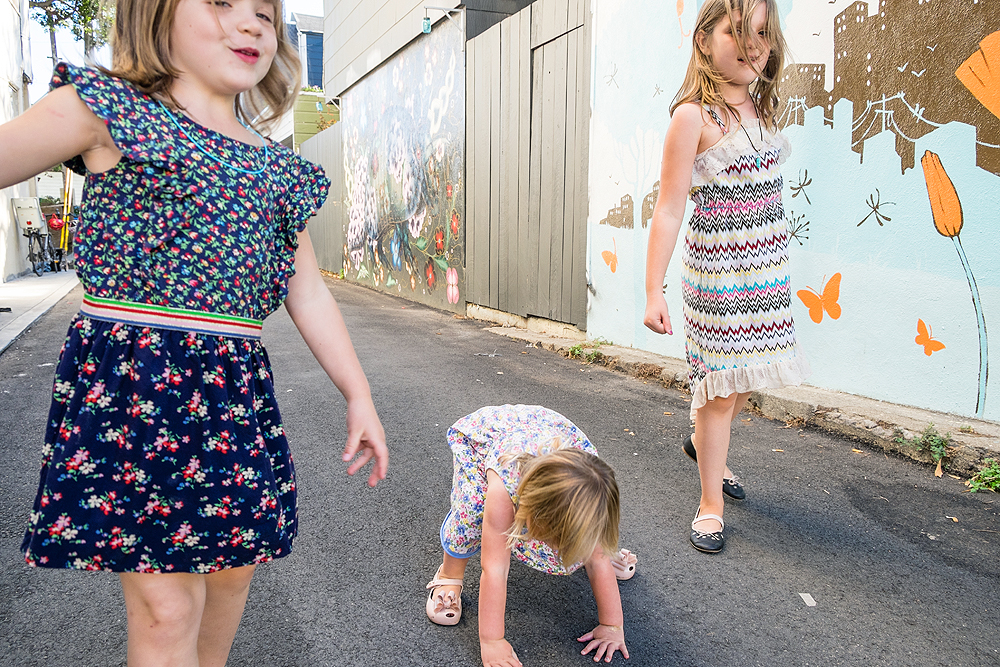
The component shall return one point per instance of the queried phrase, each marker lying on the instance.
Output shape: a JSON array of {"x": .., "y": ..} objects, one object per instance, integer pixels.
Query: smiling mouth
[{"x": 249, "y": 55}]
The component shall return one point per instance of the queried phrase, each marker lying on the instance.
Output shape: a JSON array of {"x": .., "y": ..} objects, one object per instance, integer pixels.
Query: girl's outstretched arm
[
  {"x": 314, "y": 311},
  {"x": 609, "y": 635},
  {"x": 58, "y": 127},
  {"x": 498, "y": 515},
  {"x": 679, "y": 151}
]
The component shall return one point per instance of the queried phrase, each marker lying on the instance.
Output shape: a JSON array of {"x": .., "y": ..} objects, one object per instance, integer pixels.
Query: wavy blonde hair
[
  {"x": 702, "y": 82},
  {"x": 568, "y": 499},
  {"x": 140, "y": 53}
]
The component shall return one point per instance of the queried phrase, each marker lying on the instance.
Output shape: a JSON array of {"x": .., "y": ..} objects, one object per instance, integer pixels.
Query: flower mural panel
[{"x": 404, "y": 154}]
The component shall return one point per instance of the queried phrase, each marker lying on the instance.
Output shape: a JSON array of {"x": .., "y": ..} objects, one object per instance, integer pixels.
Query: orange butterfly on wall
[
  {"x": 925, "y": 338},
  {"x": 611, "y": 258},
  {"x": 827, "y": 300}
]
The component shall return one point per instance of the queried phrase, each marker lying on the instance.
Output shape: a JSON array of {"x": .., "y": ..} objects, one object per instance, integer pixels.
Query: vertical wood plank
[
  {"x": 546, "y": 57},
  {"x": 493, "y": 44},
  {"x": 557, "y": 220},
  {"x": 531, "y": 259},
  {"x": 579, "y": 297},
  {"x": 503, "y": 176},
  {"x": 572, "y": 189},
  {"x": 470, "y": 172},
  {"x": 482, "y": 223},
  {"x": 524, "y": 87}
]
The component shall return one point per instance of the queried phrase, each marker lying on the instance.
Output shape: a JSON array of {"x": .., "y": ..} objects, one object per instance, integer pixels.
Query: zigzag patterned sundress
[{"x": 738, "y": 325}]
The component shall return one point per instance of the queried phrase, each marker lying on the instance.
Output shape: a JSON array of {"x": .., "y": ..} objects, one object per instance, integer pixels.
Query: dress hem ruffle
[{"x": 719, "y": 384}]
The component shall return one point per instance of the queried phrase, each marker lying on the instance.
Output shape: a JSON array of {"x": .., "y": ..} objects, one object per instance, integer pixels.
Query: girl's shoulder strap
[{"x": 715, "y": 116}]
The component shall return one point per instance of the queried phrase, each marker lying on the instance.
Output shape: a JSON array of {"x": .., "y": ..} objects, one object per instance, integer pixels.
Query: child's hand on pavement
[
  {"x": 606, "y": 639},
  {"x": 365, "y": 433},
  {"x": 498, "y": 653}
]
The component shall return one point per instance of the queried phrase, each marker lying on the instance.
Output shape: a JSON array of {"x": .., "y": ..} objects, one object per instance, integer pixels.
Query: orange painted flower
[
  {"x": 979, "y": 73},
  {"x": 945, "y": 205}
]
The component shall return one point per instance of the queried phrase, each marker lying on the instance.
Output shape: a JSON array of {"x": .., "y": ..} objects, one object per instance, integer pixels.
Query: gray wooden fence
[
  {"x": 327, "y": 229},
  {"x": 527, "y": 136}
]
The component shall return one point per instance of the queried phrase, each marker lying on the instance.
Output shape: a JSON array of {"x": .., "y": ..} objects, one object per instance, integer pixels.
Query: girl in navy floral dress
[{"x": 165, "y": 459}]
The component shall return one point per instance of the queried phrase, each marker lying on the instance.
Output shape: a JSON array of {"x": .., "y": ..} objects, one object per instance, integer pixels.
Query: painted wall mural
[
  {"x": 891, "y": 191},
  {"x": 404, "y": 166}
]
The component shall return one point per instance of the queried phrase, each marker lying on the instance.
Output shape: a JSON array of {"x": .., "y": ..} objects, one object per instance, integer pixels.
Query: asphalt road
[{"x": 895, "y": 579}]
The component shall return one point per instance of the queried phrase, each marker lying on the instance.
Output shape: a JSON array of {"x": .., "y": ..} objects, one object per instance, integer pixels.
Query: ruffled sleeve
[
  {"x": 123, "y": 109},
  {"x": 307, "y": 190}
]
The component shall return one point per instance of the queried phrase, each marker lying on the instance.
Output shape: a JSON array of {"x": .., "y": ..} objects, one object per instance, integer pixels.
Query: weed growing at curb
[
  {"x": 987, "y": 479},
  {"x": 930, "y": 442},
  {"x": 589, "y": 352},
  {"x": 966, "y": 429}
]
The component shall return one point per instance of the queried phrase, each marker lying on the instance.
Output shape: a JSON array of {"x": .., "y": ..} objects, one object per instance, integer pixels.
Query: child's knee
[{"x": 231, "y": 581}]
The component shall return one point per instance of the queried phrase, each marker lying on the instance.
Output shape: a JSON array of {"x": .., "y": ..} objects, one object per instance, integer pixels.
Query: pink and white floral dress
[{"x": 477, "y": 442}]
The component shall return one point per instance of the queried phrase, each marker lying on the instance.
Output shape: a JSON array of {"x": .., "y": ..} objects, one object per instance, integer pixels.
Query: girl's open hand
[
  {"x": 606, "y": 639},
  {"x": 657, "y": 316},
  {"x": 365, "y": 433},
  {"x": 498, "y": 653}
]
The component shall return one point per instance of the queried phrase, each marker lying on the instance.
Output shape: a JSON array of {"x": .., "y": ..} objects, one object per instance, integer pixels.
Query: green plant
[
  {"x": 933, "y": 443},
  {"x": 966, "y": 429},
  {"x": 987, "y": 479},
  {"x": 588, "y": 351}
]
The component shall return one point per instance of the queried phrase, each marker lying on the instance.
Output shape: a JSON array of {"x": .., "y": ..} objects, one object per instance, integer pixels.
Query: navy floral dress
[{"x": 164, "y": 450}]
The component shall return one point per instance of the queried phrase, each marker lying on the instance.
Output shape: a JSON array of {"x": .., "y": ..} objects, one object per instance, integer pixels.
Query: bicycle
[{"x": 41, "y": 253}]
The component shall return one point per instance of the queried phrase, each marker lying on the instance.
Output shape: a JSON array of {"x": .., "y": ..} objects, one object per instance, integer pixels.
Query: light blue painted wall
[{"x": 893, "y": 274}]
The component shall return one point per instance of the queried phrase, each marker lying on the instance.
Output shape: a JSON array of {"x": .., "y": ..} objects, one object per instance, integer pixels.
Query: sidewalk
[
  {"x": 893, "y": 428},
  {"x": 28, "y": 299}
]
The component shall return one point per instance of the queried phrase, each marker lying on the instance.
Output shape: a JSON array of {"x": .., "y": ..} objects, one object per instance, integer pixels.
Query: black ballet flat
[{"x": 709, "y": 543}]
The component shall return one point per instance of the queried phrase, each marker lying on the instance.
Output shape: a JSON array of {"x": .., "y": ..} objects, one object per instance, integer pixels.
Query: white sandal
[
  {"x": 444, "y": 609},
  {"x": 624, "y": 564}
]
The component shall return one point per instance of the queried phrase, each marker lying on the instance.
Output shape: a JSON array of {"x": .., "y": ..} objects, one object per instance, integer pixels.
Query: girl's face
[
  {"x": 721, "y": 46},
  {"x": 224, "y": 47}
]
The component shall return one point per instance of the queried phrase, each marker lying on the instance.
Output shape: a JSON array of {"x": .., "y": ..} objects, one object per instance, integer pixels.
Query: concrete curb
[{"x": 892, "y": 428}]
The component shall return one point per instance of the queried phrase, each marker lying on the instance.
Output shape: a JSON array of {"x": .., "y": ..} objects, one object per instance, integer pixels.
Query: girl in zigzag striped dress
[{"x": 723, "y": 149}]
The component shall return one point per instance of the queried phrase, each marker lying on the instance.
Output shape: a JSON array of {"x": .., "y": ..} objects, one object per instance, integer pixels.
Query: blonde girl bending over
[
  {"x": 528, "y": 482},
  {"x": 723, "y": 150}
]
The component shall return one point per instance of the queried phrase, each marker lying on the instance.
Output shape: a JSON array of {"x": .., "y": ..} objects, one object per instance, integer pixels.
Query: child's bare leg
[
  {"x": 225, "y": 597},
  {"x": 741, "y": 401},
  {"x": 711, "y": 427},
  {"x": 452, "y": 568},
  {"x": 164, "y": 615}
]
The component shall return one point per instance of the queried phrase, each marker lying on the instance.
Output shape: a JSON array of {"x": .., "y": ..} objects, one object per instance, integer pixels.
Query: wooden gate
[
  {"x": 527, "y": 136},
  {"x": 327, "y": 230}
]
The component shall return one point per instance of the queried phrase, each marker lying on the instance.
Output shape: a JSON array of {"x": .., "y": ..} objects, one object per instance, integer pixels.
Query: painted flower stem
[{"x": 981, "y": 321}]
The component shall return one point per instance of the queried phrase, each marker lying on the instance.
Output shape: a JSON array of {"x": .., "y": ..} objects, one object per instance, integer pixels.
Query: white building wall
[
  {"x": 15, "y": 67},
  {"x": 359, "y": 35}
]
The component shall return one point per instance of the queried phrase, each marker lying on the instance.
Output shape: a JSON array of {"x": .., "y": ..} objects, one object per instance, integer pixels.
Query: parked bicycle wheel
[
  {"x": 36, "y": 253},
  {"x": 53, "y": 256}
]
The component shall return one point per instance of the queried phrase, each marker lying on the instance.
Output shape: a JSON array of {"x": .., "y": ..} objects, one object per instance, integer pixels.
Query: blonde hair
[
  {"x": 140, "y": 53},
  {"x": 568, "y": 499},
  {"x": 702, "y": 82}
]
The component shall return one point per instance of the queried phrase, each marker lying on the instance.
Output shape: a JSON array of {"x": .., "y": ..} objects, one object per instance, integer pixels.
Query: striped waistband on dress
[{"x": 165, "y": 317}]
